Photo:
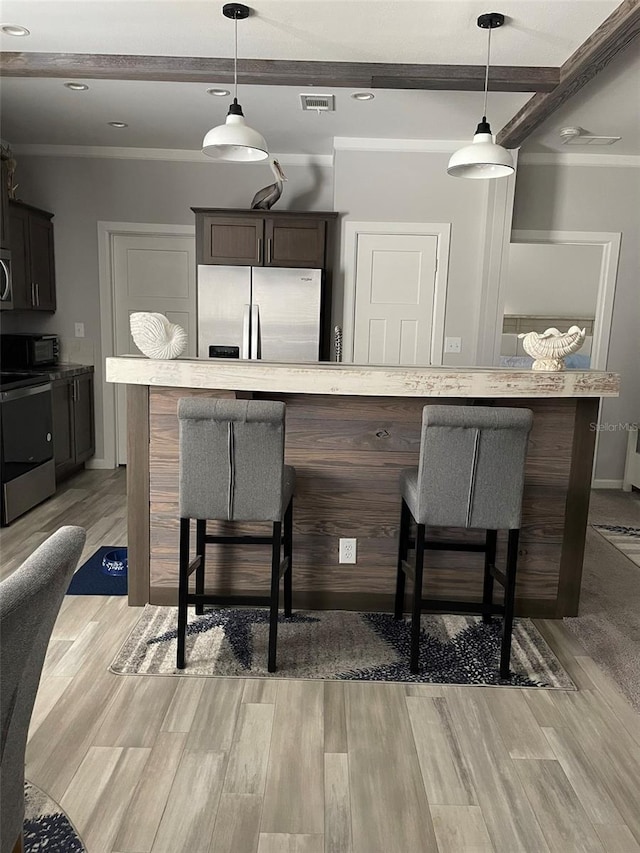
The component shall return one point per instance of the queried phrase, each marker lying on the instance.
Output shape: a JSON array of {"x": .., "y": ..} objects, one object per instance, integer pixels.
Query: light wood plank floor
[{"x": 151, "y": 765}]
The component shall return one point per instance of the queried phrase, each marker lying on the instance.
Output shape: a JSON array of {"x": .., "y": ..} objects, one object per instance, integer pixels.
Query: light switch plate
[
  {"x": 79, "y": 330},
  {"x": 453, "y": 344}
]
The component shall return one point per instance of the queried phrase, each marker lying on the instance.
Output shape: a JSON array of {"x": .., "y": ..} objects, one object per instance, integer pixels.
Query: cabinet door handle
[
  {"x": 74, "y": 392},
  {"x": 37, "y": 294},
  {"x": 33, "y": 294},
  {"x": 259, "y": 250},
  {"x": 269, "y": 248},
  {"x": 6, "y": 277}
]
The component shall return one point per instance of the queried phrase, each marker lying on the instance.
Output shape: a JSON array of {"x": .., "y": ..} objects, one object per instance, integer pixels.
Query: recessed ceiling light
[
  {"x": 15, "y": 30},
  {"x": 77, "y": 87},
  {"x": 117, "y": 124},
  {"x": 219, "y": 93},
  {"x": 363, "y": 96}
]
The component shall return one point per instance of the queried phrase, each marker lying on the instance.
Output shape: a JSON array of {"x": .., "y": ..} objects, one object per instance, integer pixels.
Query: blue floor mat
[{"x": 91, "y": 580}]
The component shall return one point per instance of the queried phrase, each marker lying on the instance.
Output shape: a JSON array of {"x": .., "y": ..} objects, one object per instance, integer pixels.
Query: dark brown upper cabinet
[
  {"x": 295, "y": 242},
  {"x": 233, "y": 240},
  {"x": 263, "y": 238},
  {"x": 32, "y": 258}
]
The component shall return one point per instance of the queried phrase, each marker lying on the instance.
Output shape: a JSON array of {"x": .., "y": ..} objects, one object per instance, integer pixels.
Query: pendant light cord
[
  {"x": 235, "y": 61},
  {"x": 486, "y": 77}
]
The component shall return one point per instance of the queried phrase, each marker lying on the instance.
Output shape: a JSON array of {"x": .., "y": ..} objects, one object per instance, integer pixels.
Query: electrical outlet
[
  {"x": 348, "y": 550},
  {"x": 79, "y": 330},
  {"x": 453, "y": 344}
]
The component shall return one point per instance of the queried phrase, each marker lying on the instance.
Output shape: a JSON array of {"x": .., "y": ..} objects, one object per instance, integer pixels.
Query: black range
[
  {"x": 27, "y": 470},
  {"x": 11, "y": 380}
]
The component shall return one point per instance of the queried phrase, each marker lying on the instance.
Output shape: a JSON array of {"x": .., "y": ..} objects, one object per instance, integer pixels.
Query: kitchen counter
[
  {"x": 359, "y": 380},
  {"x": 350, "y": 430},
  {"x": 61, "y": 371}
]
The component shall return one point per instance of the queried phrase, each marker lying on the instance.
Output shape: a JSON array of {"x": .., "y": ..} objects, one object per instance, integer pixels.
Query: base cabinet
[{"x": 73, "y": 423}]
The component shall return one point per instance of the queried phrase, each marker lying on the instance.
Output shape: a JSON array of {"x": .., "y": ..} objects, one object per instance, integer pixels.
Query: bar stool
[
  {"x": 232, "y": 469},
  {"x": 471, "y": 475}
]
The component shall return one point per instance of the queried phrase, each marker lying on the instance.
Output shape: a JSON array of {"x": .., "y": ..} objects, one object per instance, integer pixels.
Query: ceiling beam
[
  {"x": 278, "y": 72},
  {"x": 611, "y": 37}
]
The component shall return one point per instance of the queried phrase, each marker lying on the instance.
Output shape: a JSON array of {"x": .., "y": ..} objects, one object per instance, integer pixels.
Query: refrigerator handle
[
  {"x": 255, "y": 331},
  {"x": 246, "y": 337}
]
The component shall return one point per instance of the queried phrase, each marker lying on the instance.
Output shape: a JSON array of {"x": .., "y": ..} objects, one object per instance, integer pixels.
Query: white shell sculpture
[
  {"x": 155, "y": 336},
  {"x": 549, "y": 348}
]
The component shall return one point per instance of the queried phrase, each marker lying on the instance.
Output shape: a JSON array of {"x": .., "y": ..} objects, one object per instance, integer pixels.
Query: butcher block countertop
[{"x": 359, "y": 379}]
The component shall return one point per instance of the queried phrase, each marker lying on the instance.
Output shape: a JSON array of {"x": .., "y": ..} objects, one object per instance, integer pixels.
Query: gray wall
[
  {"x": 597, "y": 198},
  {"x": 553, "y": 280},
  {"x": 83, "y": 191},
  {"x": 415, "y": 187}
]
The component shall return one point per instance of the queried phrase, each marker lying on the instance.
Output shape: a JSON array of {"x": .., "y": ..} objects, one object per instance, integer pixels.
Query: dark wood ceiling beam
[
  {"x": 278, "y": 72},
  {"x": 611, "y": 37}
]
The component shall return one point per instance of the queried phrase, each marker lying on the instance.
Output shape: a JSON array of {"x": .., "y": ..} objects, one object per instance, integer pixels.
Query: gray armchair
[{"x": 29, "y": 603}]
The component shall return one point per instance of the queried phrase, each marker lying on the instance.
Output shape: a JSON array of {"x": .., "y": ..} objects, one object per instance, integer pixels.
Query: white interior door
[
  {"x": 395, "y": 280},
  {"x": 150, "y": 273}
]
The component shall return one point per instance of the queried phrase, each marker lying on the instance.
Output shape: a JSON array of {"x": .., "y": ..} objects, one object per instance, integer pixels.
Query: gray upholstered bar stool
[
  {"x": 232, "y": 469},
  {"x": 471, "y": 475}
]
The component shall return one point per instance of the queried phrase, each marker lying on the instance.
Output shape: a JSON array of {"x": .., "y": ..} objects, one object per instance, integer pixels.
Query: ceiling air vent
[
  {"x": 319, "y": 103},
  {"x": 578, "y": 136}
]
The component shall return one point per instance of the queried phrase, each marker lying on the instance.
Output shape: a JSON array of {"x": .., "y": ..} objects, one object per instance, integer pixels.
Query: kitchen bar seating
[
  {"x": 470, "y": 475},
  {"x": 232, "y": 469}
]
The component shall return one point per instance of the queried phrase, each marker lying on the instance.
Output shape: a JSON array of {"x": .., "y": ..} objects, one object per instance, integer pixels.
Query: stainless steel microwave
[
  {"x": 6, "y": 292},
  {"x": 25, "y": 351}
]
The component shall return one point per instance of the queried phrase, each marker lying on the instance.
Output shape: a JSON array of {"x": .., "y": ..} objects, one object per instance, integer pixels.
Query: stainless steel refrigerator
[{"x": 271, "y": 313}]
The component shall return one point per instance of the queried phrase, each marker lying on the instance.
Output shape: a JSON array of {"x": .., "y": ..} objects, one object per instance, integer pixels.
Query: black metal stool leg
[
  {"x": 489, "y": 561},
  {"x": 403, "y": 550},
  {"x": 288, "y": 554},
  {"x": 509, "y": 602},
  {"x": 275, "y": 590},
  {"x": 417, "y": 599},
  {"x": 201, "y": 532},
  {"x": 183, "y": 570}
]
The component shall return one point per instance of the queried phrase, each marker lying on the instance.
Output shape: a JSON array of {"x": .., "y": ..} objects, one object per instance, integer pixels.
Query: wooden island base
[{"x": 348, "y": 451}]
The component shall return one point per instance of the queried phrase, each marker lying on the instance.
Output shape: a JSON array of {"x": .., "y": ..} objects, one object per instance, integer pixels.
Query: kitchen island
[{"x": 350, "y": 429}]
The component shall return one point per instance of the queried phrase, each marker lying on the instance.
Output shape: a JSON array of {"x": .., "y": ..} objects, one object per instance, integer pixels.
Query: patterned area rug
[
  {"x": 47, "y": 829},
  {"x": 338, "y": 644},
  {"x": 625, "y": 539}
]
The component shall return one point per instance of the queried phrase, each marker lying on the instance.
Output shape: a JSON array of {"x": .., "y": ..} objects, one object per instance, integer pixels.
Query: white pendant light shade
[
  {"x": 234, "y": 140},
  {"x": 482, "y": 159}
]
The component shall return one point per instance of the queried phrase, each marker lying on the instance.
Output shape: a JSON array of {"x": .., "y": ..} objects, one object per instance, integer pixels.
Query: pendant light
[
  {"x": 483, "y": 158},
  {"x": 235, "y": 141}
]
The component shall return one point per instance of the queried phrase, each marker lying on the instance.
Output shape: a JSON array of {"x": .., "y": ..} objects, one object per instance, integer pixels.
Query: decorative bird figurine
[
  {"x": 549, "y": 348},
  {"x": 155, "y": 336},
  {"x": 265, "y": 198}
]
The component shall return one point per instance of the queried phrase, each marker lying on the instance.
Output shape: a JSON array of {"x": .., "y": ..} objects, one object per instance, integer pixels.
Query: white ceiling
[
  {"x": 176, "y": 115},
  {"x": 429, "y": 31}
]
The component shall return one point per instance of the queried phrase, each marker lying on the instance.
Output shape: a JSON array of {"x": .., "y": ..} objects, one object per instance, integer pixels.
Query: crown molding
[
  {"x": 430, "y": 146},
  {"x": 162, "y": 154},
  {"x": 566, "y": 159}
]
